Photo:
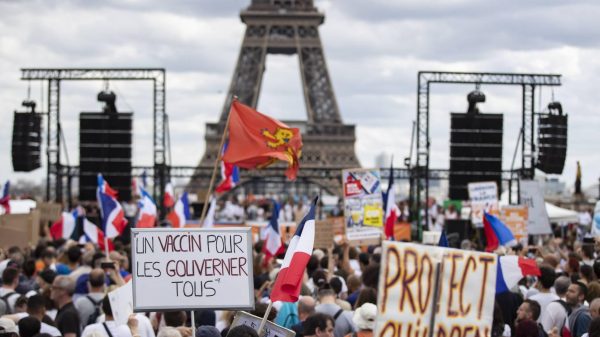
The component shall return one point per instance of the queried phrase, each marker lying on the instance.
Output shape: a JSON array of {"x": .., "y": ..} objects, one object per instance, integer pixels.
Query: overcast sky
[{"x": 374, "y": 50}]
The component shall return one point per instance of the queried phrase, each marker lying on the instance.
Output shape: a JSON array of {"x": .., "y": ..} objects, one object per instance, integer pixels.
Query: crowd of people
[{"x": 59, "y": 288}]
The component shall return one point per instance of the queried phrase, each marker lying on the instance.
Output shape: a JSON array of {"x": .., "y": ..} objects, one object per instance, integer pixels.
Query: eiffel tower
[{"x": 287, "y": 27}]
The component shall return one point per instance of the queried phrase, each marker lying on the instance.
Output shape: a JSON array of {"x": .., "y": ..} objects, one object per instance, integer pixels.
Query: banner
[
  {"x": 270, "y": 330},
  {"x": 484, "y": 197},
  {"x": 515, "y": 218},
  {"x": 191, "y": 268},
  {"x": 530, "y": 195},
  {"x": 410, "y": 289},
  {"x": 363, "y": 204}
]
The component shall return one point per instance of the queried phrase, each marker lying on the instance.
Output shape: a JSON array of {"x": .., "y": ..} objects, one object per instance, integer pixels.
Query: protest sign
[
  {"x": 49, "y": 211},
  {"x": 324, "y": 234},
  {"x": 192, "y": 268},
  {"x": 515, "y": 218},
  {"x": 270, "y": 330},
  {"x": 484, "y": 198},
  {"x": 530, "y": 195},
  {"x": 20, "y": 230},
  {"x": 121, "y": 303},
  {"x": 422, "y": 288},
  {"x": 363, "y": 204}
]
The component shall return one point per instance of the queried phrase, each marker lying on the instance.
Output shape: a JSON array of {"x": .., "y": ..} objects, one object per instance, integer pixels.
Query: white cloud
[{"x": 374, "y": 50}]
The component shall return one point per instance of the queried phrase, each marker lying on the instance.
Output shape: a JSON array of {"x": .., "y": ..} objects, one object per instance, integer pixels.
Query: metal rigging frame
[
  {"x": 54, "y": 76},
  {"x": 528, "y": 82}
]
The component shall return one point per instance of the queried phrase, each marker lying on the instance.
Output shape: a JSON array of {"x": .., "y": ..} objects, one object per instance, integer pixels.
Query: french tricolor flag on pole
[
  {"x": 289, "y": 280},
  {"x": 390, "y": 207},
  {"x": 147, "y": 213},
  {"x": 113, "y": 218},
  {"x": 181, "y": 212},
  {"x": 5, "y": 198},
  {"x": 273, "y": 245},
  {"x": 169, "y": 198},
  {"x": 65, "y": 226},
  {"x": 511, "y": 269},
  {"x": 230, "y": 174},
  {"x": 496, "y": 233}
]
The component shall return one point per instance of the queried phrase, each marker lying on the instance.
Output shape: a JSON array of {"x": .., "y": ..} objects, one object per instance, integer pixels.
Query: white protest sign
[
  {"x": 121, "y": 303},
  {"x": 192, "y": 268},
  {"x": 530, "y": 195},
  {"x": 270, "y": 330},
  {"x": 484, "y": 197},
  {"x": 465, "y": 290}
]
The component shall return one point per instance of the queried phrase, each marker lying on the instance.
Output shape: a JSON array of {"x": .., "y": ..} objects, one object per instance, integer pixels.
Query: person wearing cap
[
  {"x": 8, "y": 328},
  {"x": 364, "y": 320}
]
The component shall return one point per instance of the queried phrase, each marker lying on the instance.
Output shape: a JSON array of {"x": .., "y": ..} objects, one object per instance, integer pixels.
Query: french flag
[
  {"x": 147, "y": 209},
  {"x": 65, "y": 227},
  {"x": 230, "y": 175},
  {"x": 181, "y": 212},
  {"x": 169, "y": 198},
  {"x": 5, "y": 198},
  {"x": 511, "y": 269},
  {"x": 111, "y": 212},
  {"x": 496, "y": 233},
  {"x": 273, "y": 245},
  {"x": 289, "y": 280},
  {"x": 391, "y": 209},
  {"x": 91, "y": 233}
]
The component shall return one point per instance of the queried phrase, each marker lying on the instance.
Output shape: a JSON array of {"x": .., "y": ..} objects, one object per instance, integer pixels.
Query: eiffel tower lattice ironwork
[{"x": 288, "y": 27}]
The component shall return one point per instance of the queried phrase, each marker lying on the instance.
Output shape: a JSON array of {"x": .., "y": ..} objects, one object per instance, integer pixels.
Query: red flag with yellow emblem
[{"x": 257, "y": 141}]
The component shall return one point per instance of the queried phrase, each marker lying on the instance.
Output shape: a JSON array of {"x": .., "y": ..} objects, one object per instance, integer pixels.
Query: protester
[
  {"x": 110, "y": 328},
  {"x": 29, "y": 326},
  {"x": 319, "y": 325},
  {"x": 8, "y": 295},
  {"x": 579, "y": 319},
  {"x": 364, "y": 320},
  {"x": 342, "y": 318},
  {"x": 556, "y": 312},
  {"x": 88, "y": 306},
  {"x": 67, "y": 318},
  {"x": 8, "y": 328}
]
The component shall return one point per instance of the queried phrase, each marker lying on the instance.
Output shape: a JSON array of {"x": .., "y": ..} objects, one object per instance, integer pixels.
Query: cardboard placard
[
  {"x": 270, "y": 330},
  {"x": 49, "y": 211},
  {"x": 323, "y": 234},
  {"x": 21, "y": 230},
  {"x": 407, "y": 301},
  {"x": 515, "y": 218},
  {"x": 192, "y": 268}
]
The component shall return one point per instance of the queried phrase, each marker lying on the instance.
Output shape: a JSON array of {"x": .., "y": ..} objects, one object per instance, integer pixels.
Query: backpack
[
  {"x": 4, "y": 299},
  {"x": 541, "y": 331},
  {"x": 97, "y": 311}
]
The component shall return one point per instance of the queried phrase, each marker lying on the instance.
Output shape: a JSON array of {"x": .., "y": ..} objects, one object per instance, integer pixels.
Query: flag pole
[
  {"x": 264, "y": 319},
  {"x": 214, "y": 172}
]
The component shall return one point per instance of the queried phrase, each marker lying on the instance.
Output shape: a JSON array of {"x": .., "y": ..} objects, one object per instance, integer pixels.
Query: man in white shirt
[
  {"x": 544, "y": 285},
  {"x": 110, "y": 328},
  {"x": 555, "y": 313}
]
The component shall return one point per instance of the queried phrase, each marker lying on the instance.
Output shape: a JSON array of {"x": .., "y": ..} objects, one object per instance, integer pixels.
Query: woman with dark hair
[
  {"x": 499, "y": 328},
  {"x": 366, "y": 295}
]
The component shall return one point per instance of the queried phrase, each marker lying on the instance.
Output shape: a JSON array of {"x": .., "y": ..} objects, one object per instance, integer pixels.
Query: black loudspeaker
[
  {"x": 475, "y": 151},
  {"x": 26, "y": 141},
  {"x": 105, "y": 147},
  {"x": 457, "y": 231},
  {"x": 552, "y": 143}
]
